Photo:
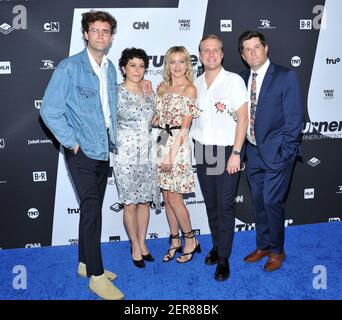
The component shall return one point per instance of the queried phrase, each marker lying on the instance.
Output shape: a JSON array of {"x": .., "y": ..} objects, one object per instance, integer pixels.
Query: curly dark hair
[
  {"x": 131, "y": 53},
  {"x": 93, "y": 16}
]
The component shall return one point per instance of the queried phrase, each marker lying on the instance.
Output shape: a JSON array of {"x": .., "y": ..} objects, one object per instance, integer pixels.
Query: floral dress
[
  {"x": 134, "y": 172},
  {"x": 170, "y": 109}
]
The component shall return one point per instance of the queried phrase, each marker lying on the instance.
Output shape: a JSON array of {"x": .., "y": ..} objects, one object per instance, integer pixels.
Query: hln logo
[
  {"x": 309, "y": 193},
  {"x": 141, "y": 25},
  {"x": 226, "y": 26},
  {"x": 39, "y": 176},
  {"x": 51, "y": 27},
  {"x": 5, "y": 67}
]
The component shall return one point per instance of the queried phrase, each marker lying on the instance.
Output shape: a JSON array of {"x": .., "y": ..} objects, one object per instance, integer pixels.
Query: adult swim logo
[{"x": 19, "y": 21}]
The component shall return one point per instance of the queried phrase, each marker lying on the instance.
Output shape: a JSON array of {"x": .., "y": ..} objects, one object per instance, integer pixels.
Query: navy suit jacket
[{"x": 279, "y": 116}]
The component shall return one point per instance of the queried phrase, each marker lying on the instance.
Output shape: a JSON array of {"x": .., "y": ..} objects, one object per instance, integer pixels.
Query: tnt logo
[
  {"x": 39, "y": 176},
  {"x": 2, "y": 143},
  {"x": 141, "y": 25},
  {"x": 296, "y": 61},
  {"x": 305, "y": 24},
  {"x": 33, "y": 213},
  {"x": 336, "y": 219},
  {"x": 38, "y": 104},
  {"x": 226, "y": 25},
  {"x": 51, "y": 27},
  {"x": 33, "y": 245}
]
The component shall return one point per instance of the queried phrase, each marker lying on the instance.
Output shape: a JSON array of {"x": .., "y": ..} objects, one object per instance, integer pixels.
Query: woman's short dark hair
[
  {"x": 131, "y": 53},
  {"x": 93, "y": 16},
  {"x": 249, "y": 35}
]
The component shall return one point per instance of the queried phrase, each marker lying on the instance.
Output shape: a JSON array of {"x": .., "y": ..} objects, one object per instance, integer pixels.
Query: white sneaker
[
  {"x": 104, "y": 288},
  {"x": 82, "y": 272}
]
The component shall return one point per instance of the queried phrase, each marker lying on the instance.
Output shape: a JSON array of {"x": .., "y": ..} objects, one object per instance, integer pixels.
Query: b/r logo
[{"x": 39, "y": 176}]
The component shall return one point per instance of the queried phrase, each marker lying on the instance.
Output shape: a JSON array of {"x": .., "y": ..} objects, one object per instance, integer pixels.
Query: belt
[{"x": 169, "y": 129}]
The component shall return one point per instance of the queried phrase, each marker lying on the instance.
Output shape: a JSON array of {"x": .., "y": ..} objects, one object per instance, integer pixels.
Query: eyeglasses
[
  {"x": 105, "y": 32},
  {"x": 213, "y": 51}
]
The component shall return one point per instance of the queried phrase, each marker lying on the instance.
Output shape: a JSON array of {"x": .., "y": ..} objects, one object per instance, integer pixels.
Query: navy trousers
[{"x": 268, "y": 190}]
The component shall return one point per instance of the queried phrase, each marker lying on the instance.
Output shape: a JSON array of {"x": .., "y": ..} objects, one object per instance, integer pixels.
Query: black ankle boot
[{"x": 222, "y": 270}]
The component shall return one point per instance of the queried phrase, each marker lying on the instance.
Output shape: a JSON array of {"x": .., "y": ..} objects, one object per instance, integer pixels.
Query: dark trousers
[
  {"x": 268, "y": 191},
  {"x": 90, "y": 180},
  {"x": 218, "y": 190}
]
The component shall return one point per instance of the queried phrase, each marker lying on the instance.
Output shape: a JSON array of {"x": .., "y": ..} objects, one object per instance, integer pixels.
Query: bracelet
[{"x": 237, "y": 153}]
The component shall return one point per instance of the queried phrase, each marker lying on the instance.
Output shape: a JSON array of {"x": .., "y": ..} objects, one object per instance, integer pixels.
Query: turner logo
[
  {"x": 309, "y": 193},
  {"x": 141, "y": 25},
  {"x": 51, "y": 27},
  {"x": 226, "y": 26},
  {"x": 5, "y": 67},
  {"x": 296, "y": 61},
  {"x": 39, "y": 176},
  {"x": 2, "y": 143},
  {"x": 265, "y": 24},
  {"x": 313, "y": 162},
  {"x": 33, "y": 213},
  {"x": 322, "y": 127},
  {"x": 19, "y": 21}
]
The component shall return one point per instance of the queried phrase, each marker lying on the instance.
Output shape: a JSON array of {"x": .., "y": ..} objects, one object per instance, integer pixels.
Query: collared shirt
[
  {"x": 259, "y": 79},
  {"x": 216, "y": 124},
  {"x": 101, "y": 72}
]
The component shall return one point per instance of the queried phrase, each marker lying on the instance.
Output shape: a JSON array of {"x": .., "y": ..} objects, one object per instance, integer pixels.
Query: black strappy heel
[
  {"x": 189, "y": 255},
  {"x": 168, "y": 257}
]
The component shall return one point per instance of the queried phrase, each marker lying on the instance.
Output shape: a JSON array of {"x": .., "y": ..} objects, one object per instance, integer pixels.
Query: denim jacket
[{"x": 72, "y": 109}]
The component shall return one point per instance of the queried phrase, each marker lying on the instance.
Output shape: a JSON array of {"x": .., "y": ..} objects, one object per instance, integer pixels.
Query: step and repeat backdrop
[{"x": 38, "y": 206}]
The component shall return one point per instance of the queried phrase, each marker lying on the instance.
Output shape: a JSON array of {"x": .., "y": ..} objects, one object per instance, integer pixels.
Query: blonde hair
[{"x": 166, "y": 71}]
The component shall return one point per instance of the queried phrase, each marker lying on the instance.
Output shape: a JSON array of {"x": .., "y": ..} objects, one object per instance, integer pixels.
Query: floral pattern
[
  {"x": 134, "y": 172},
  {"x": 170, "y": 109}
]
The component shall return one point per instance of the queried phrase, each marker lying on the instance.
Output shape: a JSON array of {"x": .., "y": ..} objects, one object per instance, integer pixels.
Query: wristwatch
[{"x": 237, "y": 153}]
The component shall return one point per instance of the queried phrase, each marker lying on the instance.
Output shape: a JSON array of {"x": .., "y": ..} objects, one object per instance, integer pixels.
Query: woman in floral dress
[
  {"x": 175, "y": 106},
  {"x": 133, "y": 170}
]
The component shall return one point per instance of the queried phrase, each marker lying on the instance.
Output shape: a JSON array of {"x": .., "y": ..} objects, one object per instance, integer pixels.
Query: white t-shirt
[{"x": 217, "y": 121}]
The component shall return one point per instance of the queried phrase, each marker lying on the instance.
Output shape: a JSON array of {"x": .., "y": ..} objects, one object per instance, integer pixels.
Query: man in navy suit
[{"x": 276, "y": 118}]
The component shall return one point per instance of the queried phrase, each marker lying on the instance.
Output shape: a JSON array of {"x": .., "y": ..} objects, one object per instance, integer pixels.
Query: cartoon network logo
[
  {"x": 116, "y": 207},
  {"x": 51, "y": 27},
  {"x": 5, "y": 67},
  {"x": 33, "y": 213}
]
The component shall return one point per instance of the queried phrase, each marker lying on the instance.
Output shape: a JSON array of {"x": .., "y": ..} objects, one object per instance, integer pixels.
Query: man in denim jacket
[{"x": 79, "y": 107}]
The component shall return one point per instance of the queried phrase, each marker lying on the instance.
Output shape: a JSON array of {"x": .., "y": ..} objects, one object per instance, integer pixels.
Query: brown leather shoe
[
  {"x": 256, "y": 255},
  {"x": 275, "y": 261}
]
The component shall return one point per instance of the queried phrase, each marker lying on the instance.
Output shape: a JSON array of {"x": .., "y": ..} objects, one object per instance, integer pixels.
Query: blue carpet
[{"x": 51, "y": 271}]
